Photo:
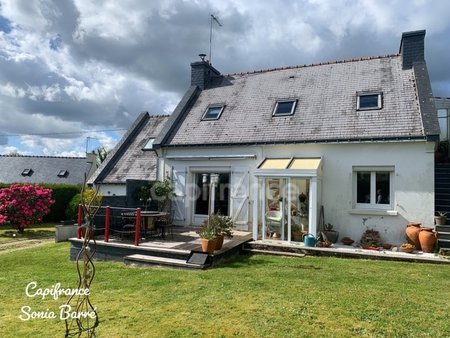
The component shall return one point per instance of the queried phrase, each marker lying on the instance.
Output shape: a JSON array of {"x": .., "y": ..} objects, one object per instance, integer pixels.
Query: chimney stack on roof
[
  {"x": 202, "y": 72},
  {"x": 412, "y": 48}
]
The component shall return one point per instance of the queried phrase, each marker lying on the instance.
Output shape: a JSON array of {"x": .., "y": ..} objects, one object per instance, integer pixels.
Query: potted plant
[
  {"x": 407, "y": 247},
  {"x": 296, "y": 232},
  {"x": 330, "y": 234},
  {"x": 208, "y": 238},
  {"x": 222, "y": 226},
  {"x": 441, "y": 219}
]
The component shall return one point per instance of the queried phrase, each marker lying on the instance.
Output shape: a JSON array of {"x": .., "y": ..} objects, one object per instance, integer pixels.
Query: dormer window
[
  {"x": 213, "y": 113},
  {"x": 27, "y": 172},
  {"x": 284, "y": 108},
  {"x": 149, "y": 144},
  {"x": 63, "y": 173},
  {"x": 369, "y": 101}
]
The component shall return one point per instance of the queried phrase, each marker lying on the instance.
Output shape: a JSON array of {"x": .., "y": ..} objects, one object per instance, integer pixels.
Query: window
[
  {"x": 149, "y": 144},
  {"x": 63, "y": 173},
  {"x": 284, "y": 108},
  {"x": 213, "y": 113},
  {"x": 368, "y": 101},
  {"x": 27, "y": 172},
  {"x": 373, "y": 187}
]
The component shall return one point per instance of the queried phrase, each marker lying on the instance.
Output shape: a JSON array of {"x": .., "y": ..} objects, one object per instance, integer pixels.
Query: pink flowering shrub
[{"x": 21, "y": 205}]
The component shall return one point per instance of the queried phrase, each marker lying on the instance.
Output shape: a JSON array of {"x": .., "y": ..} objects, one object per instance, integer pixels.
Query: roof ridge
[
  {"x": 43, "y": 156},
  {"x": 159, "y": 115},
  {"x": 314, "y": 64}
]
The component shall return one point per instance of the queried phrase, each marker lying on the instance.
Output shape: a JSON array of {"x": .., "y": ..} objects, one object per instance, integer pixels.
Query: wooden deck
[{"x": 166, "y": 251}]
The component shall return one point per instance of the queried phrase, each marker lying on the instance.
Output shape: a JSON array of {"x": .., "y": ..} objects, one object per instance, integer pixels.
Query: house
[
  {"x": 46, "y": 169},
  {"x": 131, "y": 163},
  {"x": 348, "y": 142}
]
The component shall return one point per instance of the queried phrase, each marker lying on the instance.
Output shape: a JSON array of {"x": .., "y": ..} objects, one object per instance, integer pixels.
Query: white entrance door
[
  {"x": 240, "y": 186},
  {"x": 179, "y": 200}
]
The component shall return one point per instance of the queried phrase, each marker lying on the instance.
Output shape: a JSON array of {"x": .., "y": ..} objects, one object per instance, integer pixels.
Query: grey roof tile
[
  {"x": 127, "y": 160},
  {"x": 326, "y": 108},
  {"x": 45, "y": 169}
]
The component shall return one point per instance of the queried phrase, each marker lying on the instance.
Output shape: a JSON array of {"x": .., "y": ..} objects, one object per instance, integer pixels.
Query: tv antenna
[{"x": 213, "y": 19}]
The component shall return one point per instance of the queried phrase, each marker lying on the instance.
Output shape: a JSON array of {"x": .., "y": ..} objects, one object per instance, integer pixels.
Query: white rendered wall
[
  {"x": 113, "y": 189},
  {"x": 413, "y": 181}
]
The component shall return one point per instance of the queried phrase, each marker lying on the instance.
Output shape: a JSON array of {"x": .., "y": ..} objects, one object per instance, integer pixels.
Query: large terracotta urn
[
  {"x": 412, "y": 234},
  {"x": 427, "y": 238}
]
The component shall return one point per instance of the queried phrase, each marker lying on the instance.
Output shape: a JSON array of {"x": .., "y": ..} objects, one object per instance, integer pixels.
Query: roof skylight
[
  {"x": 368, "y": 101},
  {"x": 213, "y": 113},
  {"x": 284, "y": 108}
]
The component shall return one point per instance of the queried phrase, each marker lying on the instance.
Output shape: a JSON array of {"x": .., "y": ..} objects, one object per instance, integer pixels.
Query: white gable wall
[{"x": 413, "y": 180}]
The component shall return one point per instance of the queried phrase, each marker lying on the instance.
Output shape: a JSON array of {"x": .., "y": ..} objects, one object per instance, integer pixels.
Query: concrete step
[
  {"x": 146, "y": 260},
  {"x": 444, "y": 235},
  {"x": 270, "y": 252},
  {"x": 442, "y": 228},
  {"x": 444, "y": 243}
]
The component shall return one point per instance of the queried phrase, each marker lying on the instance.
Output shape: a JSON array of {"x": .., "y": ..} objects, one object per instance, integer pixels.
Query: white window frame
[
  {"x": 380, "y": 100},
  {"x": 373, "y": 205},
  {"x": 294, "y": 105},
  {"x": 221, "y": 106},
  {"x": 149, "y": 144}
]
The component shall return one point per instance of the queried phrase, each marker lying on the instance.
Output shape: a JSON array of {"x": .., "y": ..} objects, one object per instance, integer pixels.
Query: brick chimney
[
  {"x": 202, "y": 72},
  {"x": 412, "y": 48}
]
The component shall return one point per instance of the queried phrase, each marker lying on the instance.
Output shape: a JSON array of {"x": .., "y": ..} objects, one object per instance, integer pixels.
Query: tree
[
  {"x": 101, "y": 154},
  {"x": 21, "y": 205}
]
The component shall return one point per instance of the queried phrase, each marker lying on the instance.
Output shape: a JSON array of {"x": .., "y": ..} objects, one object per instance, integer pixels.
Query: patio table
[{"x": 148, "y": 219}]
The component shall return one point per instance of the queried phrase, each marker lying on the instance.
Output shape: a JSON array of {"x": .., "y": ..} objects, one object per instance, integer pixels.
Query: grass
[
  {"x": 257, "y": 296},
  {"x": 35, "y": 231}
]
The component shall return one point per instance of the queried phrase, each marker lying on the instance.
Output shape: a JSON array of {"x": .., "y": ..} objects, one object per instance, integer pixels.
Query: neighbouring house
[
  {"x": 354, "y": 138},
  {"x": 46, "y": 169},
  {"x": 131, "y": 163}
]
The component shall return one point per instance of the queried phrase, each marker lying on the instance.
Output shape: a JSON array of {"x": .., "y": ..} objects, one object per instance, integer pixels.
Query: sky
[{"x": 74, "y": 74}]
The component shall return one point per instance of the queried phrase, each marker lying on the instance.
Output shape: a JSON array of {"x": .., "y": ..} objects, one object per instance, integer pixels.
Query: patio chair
[
  {"x": 274, "y": 222},
  {"x": 165, "y": 223}
]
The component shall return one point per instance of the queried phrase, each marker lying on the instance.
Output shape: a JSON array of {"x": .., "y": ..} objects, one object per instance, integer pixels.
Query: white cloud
[{"x": 116, "y": 58}]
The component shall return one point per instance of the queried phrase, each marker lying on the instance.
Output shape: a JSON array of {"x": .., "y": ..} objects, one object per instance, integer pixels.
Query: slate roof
[
  {"x": 127, "y": 160},
  {"x": 326, "y": 109},
  {"x": 45, "y": 169}
]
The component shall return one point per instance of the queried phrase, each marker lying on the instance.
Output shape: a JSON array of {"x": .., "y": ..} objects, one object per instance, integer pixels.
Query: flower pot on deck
[
  {"x": 219, "y": 242},
  {"x": 208, "y": 245}
]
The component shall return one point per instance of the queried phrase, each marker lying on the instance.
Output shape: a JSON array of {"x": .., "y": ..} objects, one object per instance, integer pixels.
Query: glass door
[
  {"x": 214, "y": 198},
  {"x": 283, "y": 208}
]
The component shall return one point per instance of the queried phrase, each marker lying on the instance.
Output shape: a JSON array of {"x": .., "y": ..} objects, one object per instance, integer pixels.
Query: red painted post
[
  {"x": 80, "y": 220},
  {"x": 137, "y": 233},
  {"x": 107, "y": 221}
]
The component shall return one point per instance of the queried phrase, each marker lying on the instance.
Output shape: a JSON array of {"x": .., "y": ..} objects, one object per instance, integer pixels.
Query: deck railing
[{"x": 107, "y": 221}]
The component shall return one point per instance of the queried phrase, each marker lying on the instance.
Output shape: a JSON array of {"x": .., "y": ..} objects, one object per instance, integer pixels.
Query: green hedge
[{"x": 62, "y": 194}]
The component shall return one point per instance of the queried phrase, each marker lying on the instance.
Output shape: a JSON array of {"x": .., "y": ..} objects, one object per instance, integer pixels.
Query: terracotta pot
[
  {"x": 297, "y": 236},
  {"x": 208, "y": 245},
  {"x": 219, "y": 242},
  {"x": 412, "y": 234},
  {"x": 427, "y": 239}
]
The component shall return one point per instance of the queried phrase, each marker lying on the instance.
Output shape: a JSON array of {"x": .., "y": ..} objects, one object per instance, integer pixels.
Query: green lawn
[
  {"x": 9, "y": 234},
  {"x": 258, "y": 296}
]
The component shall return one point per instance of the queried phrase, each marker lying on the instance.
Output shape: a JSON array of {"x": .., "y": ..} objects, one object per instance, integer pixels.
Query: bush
[
  {"x": 62, "y": 194},
  {"x": 72, "y": 206},
  {"x": 21, "y": 205}
]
